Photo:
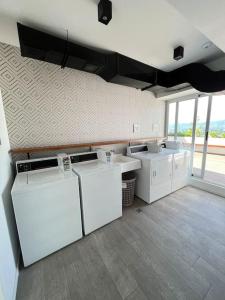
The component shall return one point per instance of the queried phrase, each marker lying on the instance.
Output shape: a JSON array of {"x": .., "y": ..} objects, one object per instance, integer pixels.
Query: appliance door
[
  {"x": 48, "y": 218},
  {"x": 161, "y": 177},
  {"x": 181, "y": 168},
  {"x": 101, "y": 194}
]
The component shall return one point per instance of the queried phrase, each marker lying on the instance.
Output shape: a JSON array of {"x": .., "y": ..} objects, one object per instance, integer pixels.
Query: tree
[
  {"x": 198, "y": 132},
  {"x": 214, "y": 134},
  {"x": 187, "y": 132}
]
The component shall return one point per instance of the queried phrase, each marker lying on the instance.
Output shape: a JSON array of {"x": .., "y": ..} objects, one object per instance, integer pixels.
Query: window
[
  {"x": 214, "y": 170},
  {"x": 199, "y": 123},
  {"x": 185, "y": 122},
  {"x": 171, "y": 120}
]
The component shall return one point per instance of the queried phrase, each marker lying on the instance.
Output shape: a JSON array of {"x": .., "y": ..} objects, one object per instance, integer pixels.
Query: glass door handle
[{"x": 206, "y": 136}]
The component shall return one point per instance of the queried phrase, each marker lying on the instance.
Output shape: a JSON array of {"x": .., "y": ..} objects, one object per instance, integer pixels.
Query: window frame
[{"x": 177, "y": 101}]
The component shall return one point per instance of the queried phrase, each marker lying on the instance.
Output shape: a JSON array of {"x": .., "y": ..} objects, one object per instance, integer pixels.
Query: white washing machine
[
  {"x": 100, "y": 190},
  {"x": 46, "y": 202}
]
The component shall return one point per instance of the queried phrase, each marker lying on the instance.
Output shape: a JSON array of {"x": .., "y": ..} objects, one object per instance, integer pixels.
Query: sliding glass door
[
  {"x": 199, "y": 123},
  {"x": 214, "y": 169},
  {"x": 199, "y": 138}
]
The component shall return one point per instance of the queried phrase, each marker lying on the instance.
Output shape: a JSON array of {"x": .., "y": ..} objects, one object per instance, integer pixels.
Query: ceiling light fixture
[
  {"x": 104, "y": 11},
  {"x": 178, "y": 53}
]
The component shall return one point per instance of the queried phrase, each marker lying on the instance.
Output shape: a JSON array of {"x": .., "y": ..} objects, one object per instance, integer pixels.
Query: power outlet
[{"x": 136, "y": 128}]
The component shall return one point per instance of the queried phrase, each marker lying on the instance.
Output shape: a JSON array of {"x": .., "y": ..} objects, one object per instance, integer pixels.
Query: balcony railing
[{"x": 215, "y": 158}]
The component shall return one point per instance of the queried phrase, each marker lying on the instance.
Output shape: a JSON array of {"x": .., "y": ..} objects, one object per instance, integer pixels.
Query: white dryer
[
  {"x": 161, "y": 173},
  {"x": 100, "y": 190},
  {"x": 47, "y": 208}
]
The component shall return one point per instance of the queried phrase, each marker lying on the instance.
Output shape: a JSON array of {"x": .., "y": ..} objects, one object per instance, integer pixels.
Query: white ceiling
[
  {"x": 146, "y": 30},
  {"x": 206, "y": 15}
]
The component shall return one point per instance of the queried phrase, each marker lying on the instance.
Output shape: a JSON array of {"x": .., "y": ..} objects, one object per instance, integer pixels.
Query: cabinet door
[
  {"x": 161, "y": 173},
  {"x": 181, "y": 163}
]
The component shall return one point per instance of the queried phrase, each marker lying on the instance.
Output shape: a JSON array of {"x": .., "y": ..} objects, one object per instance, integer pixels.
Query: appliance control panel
[
  {"x": 35, "y": 165},
  {"x": 135, "y": 149},
  {"x": 23, "y": 167},
  {"x": 83, "y": 157}
]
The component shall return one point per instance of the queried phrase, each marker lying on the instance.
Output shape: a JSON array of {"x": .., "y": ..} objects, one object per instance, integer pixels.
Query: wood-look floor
[{"x": 172, "y": 249}]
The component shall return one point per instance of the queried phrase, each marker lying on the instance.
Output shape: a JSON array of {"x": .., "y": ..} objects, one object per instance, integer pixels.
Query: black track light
[
  {"x": 104, "y": 11},
  {"x": 178, "y": 53}
]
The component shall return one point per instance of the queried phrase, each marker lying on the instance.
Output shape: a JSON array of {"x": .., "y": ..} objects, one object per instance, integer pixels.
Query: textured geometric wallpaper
[{"x": 47, "y": 105}]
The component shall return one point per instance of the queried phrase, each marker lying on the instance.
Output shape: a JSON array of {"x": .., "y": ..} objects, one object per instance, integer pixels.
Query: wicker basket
[{"x": 128, "y": 187}]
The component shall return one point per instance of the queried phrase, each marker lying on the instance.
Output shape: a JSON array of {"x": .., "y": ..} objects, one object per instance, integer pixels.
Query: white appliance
[
  {"x": 154, "y": 147},
  {"x": 176, "y": 145},
  {"x": 181, "y": 169},
  {"x": 161, "y": 173},
  {"x": 46, "y": 202},
  {"x": 100, "y": 190}
]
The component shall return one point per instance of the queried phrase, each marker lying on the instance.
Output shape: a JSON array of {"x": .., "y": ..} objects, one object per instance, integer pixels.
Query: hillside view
[{"x": 216, "y": 130}]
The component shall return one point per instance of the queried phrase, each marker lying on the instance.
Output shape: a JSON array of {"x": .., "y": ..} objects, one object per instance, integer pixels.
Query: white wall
[
  {"x": 8, "y": 30},
  {"x": 46, "y": 105},
  {"x": 8, "y": 236}
]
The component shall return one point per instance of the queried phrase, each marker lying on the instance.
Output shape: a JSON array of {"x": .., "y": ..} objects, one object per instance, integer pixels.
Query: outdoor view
[{"x": 214, "y": 170}]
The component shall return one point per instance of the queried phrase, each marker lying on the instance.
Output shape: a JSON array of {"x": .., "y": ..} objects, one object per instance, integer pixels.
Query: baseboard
[
  {"x": 16, "y": 277},
  {"x": 206, "y": 186}
]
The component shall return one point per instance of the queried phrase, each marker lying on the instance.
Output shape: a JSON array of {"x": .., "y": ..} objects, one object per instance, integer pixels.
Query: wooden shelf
[{"x": 71, "y": 146}]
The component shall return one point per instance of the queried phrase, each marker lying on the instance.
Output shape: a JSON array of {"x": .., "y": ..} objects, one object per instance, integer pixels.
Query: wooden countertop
[{"x": 83, "y": 145}]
